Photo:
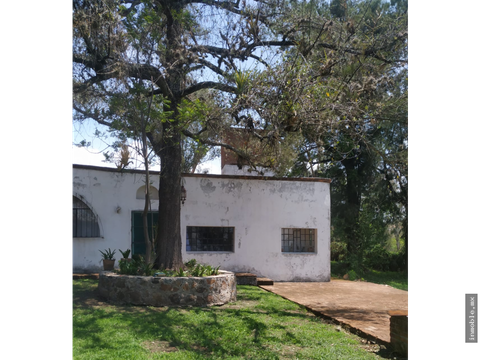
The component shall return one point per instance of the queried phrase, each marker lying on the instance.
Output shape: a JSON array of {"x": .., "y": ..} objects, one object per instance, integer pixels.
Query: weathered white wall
[
  {"x": 245, "y": 171},
  {"x": 258, "y": 208},
  {"x": 104, "y": 191}
]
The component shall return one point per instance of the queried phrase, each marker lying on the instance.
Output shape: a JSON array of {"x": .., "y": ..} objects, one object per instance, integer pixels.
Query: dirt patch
[
  {"x": 88, "y": 298},
  {"x": 159, "y": 346}
]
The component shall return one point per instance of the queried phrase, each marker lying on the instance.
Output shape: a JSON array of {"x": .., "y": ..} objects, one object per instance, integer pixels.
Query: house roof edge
[{"x": 213, "y": 176}]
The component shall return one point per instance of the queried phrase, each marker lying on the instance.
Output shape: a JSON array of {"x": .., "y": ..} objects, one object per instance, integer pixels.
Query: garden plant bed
[{"x": 168, "y": 291}]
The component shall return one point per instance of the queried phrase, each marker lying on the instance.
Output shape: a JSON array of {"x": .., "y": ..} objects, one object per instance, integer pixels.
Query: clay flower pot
[{"x": 108, "y": 264}]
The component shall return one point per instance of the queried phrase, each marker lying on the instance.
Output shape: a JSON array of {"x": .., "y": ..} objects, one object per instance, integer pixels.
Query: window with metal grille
[
  {"x": 298, "y": 240},
  {"x": 202, "y": 238},
  {"x": 85, "y": 222}
]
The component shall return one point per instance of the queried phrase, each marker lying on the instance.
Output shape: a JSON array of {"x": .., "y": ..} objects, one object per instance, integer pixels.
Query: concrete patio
[{"x": 363, "y": 306}]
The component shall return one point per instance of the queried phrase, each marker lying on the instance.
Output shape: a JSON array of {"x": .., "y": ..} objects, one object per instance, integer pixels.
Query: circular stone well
[{"x": 168, "y": 291}]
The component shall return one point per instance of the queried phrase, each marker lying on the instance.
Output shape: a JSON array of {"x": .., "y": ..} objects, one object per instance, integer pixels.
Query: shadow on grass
[{"x": 256, "y": 331}]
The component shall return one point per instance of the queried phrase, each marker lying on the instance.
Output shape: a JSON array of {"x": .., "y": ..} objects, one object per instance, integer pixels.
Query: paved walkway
[{"x": 361, "y": 305}]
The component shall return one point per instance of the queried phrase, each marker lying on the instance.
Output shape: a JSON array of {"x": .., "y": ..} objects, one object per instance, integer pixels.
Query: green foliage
[
  {"x": 396, "y": 279},
  {"x": 191, "y": 263},
  {"x": 180, "y": 273},
  {"x": 136, "y": 266},
  {"x": 107, "y": 254},
  {"x": 192, "y": 111},
  {"x": 191, "y": 268},
  {"x": 378, "y": 258},
  {"x": 198, "y": 270},
  {"x": 125, "y": 253},
  {"x": 128, "y": 267},
  {"x": 338, "y": 250},
  {"x": 334, "y": 99},
  {"x": 352, "y": 275}
]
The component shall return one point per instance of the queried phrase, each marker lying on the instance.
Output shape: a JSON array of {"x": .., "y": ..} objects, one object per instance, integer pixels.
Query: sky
[{"x": 93, "y": 154}]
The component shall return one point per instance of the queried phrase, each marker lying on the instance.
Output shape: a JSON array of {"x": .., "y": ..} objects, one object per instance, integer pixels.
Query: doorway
[{"x": 138, "y": 238}]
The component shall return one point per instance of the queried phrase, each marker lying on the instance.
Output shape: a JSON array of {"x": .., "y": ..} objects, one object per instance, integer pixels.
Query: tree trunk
[
  {"x": 352, "y": 210},
  {"x": 148, "y": 244},
  {"x": 397, "y": 238},
  {"x": 405, "y": 236},
  {"x": 169, "y": 242}
]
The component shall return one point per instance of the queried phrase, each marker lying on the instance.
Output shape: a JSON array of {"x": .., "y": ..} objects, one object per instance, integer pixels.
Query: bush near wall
[
  {"x": 375, "y": 258},
  {"x": 378, "y": 258},
  {"x": 338, "y": 251}
]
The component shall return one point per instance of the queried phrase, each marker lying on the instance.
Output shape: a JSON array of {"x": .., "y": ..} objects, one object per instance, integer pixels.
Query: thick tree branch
[
  {"x": 231, "y": 6},
  {"x": 214, "y": 143},
  {"x": 91, "y": 115},
  {"x": 207, "y": 85},
  {"x": 212, "y": 67},
  {"x": 139, "y": 71}
]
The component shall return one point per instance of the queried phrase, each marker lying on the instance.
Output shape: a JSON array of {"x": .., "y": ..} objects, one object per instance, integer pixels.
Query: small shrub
[
  {"x": 107, "y": 254},
  {"x": 180, "y": 273},
  {"x": 125, "y": 253},
  {"x": 203, "y": 270},
  {"x": 338, "y": 268},
  {"x": 378, "y": 258},
  {"x": 146, "y": 269},
  {"x": 338, "y": 251},
  {"x": 137, "y": 266},
  {"x": 191, "y": 263},
  {"x": 352, "y": 275},
  {"x": 128, "y": 267}
]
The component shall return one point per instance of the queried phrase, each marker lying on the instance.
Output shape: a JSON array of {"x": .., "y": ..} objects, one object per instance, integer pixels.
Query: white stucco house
[{"x": 277, "y": 228}]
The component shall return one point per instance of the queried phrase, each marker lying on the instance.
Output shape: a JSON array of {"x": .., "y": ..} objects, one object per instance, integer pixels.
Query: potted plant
[
  {"x": 108, "y": 260},
  {"x": 125, "y": 255}
]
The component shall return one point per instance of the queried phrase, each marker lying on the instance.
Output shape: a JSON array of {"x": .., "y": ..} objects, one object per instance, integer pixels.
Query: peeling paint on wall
[
  {"x": 207, "y": 186},
  {"x": 232, "y": 186},
  {"x": 79, "y": 185}
]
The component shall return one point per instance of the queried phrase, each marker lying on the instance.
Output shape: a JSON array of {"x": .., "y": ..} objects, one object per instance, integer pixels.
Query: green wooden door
[{"x": 138, "y": 238}]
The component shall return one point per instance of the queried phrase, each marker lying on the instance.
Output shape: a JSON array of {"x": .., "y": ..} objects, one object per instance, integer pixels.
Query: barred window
[
  {"x": 203, "y": 238},
  {"x": 85, "y": 222},
  {"x": 298, "y": 240}
]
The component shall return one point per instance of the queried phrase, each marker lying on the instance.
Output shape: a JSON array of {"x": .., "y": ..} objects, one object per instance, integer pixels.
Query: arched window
[
  {"x": 153, "y": 193},
  {"x": 85, "y": 222}
]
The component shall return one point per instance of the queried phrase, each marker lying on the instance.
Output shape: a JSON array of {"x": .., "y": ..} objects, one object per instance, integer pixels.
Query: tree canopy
[{"x": 307, "y": 77}]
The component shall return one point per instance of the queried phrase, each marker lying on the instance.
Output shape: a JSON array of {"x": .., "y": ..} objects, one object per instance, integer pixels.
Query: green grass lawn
[
  {"x": 398, "y": 280},
  {"x": 259, "y": 325}
]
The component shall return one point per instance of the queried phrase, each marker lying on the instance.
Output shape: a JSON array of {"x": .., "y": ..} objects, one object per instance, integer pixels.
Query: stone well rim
[
  {"x": 113, "y": 273},
  {"x": 168, "y": 290}
]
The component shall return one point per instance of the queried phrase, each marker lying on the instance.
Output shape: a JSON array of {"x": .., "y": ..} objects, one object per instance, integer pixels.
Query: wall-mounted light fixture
[{"x": 183, "y": 195}]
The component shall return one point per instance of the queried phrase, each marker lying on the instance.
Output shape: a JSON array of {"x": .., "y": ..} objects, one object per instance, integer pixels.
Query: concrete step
[
  {"x": 246, "y": 279},
  {"x": 264, "y": 281}
]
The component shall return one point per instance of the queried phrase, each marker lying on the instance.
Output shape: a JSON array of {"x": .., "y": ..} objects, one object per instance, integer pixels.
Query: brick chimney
[{"x": 242, "y": 139}]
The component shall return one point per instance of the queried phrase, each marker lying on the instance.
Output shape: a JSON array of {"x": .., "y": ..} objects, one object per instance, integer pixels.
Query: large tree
[
  {"x": 212, "y": 64},
  {"x": 366, "y": 153}
]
